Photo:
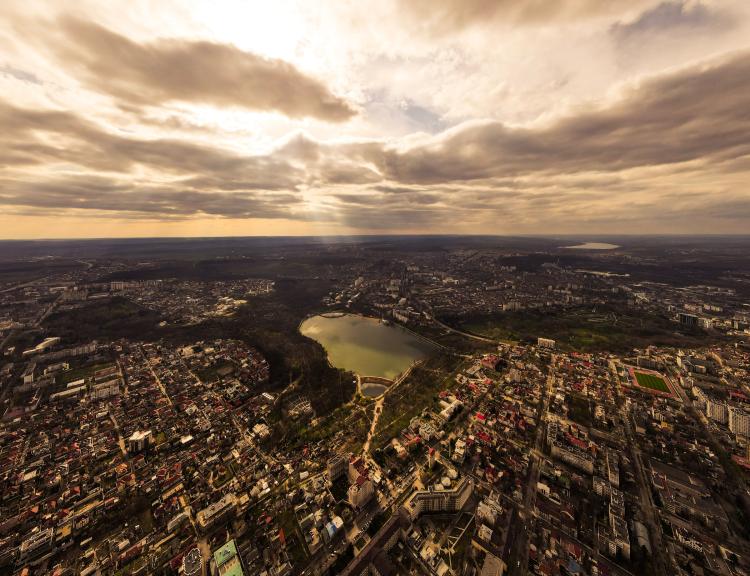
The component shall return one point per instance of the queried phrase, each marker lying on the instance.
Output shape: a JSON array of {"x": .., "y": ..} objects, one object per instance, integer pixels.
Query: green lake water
[{"x": 365, "y": 345}]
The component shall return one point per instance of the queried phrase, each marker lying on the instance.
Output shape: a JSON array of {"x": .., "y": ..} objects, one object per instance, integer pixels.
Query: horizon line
[{"x": 387, "y": 235}]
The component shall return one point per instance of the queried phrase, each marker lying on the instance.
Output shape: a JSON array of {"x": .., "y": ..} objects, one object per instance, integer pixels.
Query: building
[
  {"x": 459, "y": 451},
  {"x": 29, "y": 373},
  {"x": 334, "y": 527},
  {"x": 373, "y": 559},
  {"x": 449, "y": 409},
  {"x": 489, "y": 510},
  {"x": 717, "y": 411},
  {"x": 649, "y": 362},
  {"x": 46, "y": 344},
  {"x": 228, "y": 562},
  {"x": 357, "y": 468},
  {"x": 573, "y": 456},
  {"x": 36, "y": 546},
  {"x": 216, "y": 512},
  {"x": 178, "y": 521},
  {"x": 545, "y": 343},
  {"x": 361, "y": 492},
  {"x": 700, "y": 397},
  {"x": 601, "y": 486},
  {"x": 739, "y": 421},
  {"x": 139, "y": 441},
  {"x": 192, "y": 563},
  {"x": 619, "y": 540},
  {"x": 690, "y": 320},
  {"x": 493, "y": 566},
  {"x": 67, "y": 394},
  {"x": 439, "y": 499},
  {"x": 106, "y": 389},
  {"x": 432, "y": 455},
  {"x": 337, "y": 467},
  {"x": 613, "y": 468}
]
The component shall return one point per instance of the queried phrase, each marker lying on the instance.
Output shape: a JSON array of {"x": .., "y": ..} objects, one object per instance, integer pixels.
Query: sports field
[{"x": 652, "y": 381}]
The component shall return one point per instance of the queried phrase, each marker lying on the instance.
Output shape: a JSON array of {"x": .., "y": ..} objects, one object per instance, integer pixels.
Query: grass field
[{"x": 651, "y": 381}]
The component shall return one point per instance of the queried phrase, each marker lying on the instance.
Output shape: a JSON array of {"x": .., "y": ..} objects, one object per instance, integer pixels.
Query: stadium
[{"x": 651, "y": 381}]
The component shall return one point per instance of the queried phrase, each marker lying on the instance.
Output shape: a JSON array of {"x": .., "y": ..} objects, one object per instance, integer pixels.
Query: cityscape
[
  {"x": 375, "y": 405},
  {"x": 392, "y": 288}
]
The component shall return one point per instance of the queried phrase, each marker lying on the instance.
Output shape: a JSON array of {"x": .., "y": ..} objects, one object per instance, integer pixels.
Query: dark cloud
[
  {"x": 336, "y": 172},
  {"x": 19, "y": 74},
  {"x": 375, "y": 196},
  {"x": 409, "y": 217},
  {"x": 688, "y": 129},
  {"x": 119, "y": 174},
  {"x": 105, "y": 194},
  {"x": 327, "y": 163},
  {"x": 39, "y": 137},
  {"x": 388, "y": 189},
  {"x": 449, "y": 16},
  {"x": 190, "y": 71},
  {"x": 697, "y": 113},
  {"x": 669, "y": 17}
]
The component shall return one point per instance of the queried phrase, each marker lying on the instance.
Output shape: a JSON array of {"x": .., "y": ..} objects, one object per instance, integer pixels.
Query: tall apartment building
[
  {"x": 361, "y": 492},
  {"x": 573, "y": 456},
  {"x": 739, "y": 421},
  {"x": 717, "y": 411},
  {"x": 337, "y": 467},
  {"x": 437, "y": 499}
]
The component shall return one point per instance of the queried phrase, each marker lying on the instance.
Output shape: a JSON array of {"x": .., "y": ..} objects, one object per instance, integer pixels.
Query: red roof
[{"x": 577, "y": 442}]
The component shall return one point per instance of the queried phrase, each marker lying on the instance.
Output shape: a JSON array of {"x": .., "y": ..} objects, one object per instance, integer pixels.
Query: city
[
  {"x": 146, "y": 428},
  {"x": 391, "y": 288}
]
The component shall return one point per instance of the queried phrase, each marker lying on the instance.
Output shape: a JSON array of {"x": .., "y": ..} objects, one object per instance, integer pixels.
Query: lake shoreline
[{"x": 366, "y": 346}]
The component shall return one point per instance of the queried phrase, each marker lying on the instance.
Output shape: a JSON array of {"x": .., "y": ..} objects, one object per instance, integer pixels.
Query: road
[
  {"x": 157, "y": 380},
  {"x": 379, "y": 404},
  {"x": 466, "y": 334},
  {"x": 519, "y": 555},
  {"x": 376, "y": 416},
  {"x": 120, "y": 439},
  {"x": 650, "y": 512}
]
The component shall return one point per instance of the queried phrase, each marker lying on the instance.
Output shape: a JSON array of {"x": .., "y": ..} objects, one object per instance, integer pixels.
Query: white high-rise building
[{"x": 361, "y": 492}]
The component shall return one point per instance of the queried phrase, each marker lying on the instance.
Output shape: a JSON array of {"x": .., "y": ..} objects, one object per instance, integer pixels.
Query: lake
[
  {"x": 365, "y": 345},
  {"x": 593, "y": 246}
]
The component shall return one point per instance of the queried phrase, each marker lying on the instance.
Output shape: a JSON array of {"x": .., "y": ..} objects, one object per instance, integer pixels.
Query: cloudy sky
[{"x": 235, "y": 117}]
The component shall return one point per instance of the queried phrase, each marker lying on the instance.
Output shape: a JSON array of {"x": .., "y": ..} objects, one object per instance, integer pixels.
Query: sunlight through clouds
[{"x": 299, "y": 117}]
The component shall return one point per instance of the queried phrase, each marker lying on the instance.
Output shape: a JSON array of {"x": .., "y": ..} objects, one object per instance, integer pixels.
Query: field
[{"x": 651, "y": 381}]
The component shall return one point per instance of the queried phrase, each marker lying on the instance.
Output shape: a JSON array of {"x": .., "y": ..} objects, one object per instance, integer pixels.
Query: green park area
[{"x": 611, "y": 328}]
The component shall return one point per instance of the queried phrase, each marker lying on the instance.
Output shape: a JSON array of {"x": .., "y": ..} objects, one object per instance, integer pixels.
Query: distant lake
[
  {"x": 593, "y": 246},
  {"x": 365, "y": 345}
]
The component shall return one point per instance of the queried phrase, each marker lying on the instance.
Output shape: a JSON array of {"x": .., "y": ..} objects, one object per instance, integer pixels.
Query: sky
[{"x": 321, "y": 117}]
